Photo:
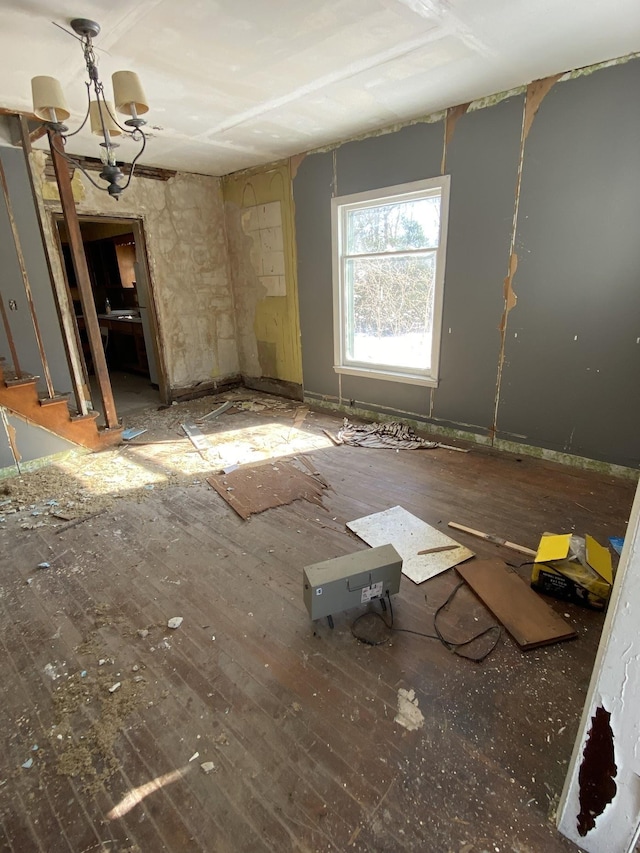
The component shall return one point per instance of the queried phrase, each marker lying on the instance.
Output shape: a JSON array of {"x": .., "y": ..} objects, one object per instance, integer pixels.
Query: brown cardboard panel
[
  {"x": 523, "y": 613},
  {"x": 253, "y": 489}
]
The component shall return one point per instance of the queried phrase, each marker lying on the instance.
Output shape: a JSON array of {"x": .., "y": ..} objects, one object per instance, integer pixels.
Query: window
[{"x": 388, "y": 258}]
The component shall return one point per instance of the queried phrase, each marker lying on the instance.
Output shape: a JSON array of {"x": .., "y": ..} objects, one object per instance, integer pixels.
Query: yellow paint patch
[{"x": 274, "y": 319}]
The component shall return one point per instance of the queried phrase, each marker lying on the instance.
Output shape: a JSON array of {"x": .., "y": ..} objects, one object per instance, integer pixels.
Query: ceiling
[{"x": 236, "y": 84}]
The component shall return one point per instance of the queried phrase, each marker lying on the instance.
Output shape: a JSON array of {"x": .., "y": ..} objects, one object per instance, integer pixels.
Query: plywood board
[
  {"x": 409, "y": 535},
  {"x": 529, "y": 620},
  {"x": 250, "y": 490}
]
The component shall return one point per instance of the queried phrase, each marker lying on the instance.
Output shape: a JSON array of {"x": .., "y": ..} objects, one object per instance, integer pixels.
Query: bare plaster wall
[{"x": 183, "y": 221}]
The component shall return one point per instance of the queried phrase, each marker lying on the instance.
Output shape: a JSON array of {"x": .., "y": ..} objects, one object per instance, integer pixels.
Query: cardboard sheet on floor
[
  {"x": 409, "y": 535},
  {"x": 529, "y": 620},
  {"x": 252, "y": 489}
]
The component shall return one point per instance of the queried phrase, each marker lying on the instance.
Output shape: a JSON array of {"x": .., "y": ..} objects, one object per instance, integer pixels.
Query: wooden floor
[{"x": 297, "y": 720}]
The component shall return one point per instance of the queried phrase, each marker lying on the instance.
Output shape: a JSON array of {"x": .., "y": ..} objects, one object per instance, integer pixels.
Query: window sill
[{"x": 388, "y": 375}]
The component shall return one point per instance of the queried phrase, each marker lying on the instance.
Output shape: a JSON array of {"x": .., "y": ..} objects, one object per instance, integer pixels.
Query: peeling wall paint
[
  {"x": 183, "y": 220},
  {"x": 266, "y": 310},
  {"x": 600, "y": 805},
  {"x": 453, "y": 114},
  {"x": 535, "y": 94}
]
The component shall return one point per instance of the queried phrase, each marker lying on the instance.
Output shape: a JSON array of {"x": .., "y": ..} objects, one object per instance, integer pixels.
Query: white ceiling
[{"x": 237, "y": 83}]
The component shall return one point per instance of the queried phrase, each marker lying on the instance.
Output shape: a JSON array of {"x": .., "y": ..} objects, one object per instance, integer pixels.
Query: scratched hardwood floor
[{"x": 297, "y": 720}]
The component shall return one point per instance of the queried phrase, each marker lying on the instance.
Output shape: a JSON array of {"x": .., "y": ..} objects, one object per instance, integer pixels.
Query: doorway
[{"x": 123, "y": 301}]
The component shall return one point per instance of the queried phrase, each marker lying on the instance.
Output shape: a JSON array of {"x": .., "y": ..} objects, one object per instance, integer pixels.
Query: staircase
[{"x": 21, "y": 396}]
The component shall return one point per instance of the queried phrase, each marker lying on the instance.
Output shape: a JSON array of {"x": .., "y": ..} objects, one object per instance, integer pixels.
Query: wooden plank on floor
[{"x": 523, "y": 613}]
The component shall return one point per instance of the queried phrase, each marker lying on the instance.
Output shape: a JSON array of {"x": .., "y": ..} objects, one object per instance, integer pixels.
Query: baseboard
[
  {"x": 281, "y": 387},
  {"x": 485, "y": 440}
]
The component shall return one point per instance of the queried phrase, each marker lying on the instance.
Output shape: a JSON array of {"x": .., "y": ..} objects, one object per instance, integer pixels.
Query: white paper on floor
[{"x": 409, "y": 535}]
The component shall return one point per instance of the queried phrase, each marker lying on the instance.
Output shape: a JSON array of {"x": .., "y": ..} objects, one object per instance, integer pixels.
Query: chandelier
[{"x": 128, "y": 97}]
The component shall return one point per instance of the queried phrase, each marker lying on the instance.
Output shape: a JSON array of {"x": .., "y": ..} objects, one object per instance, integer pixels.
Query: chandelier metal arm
[
  {"x": 86, "y": 118},
  {"x": 75, "y": 163},
  {"x": 137, "y": 157}
]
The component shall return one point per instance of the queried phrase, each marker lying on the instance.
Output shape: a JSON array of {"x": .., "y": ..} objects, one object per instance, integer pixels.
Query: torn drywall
[
  {"x": 453, "y": 114},
  {"x": 597, "y": 772},
  {"x": 536, "y": 93}
]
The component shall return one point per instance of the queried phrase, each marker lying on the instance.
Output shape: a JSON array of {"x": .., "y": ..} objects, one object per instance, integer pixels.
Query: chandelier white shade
[
  {"x": 50, "y": 106},
  {"x": 128, "y": 93},
  {"x": 48, "y": 95}
]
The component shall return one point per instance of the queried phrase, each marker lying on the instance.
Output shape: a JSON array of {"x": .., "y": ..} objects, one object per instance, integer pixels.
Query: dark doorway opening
[{"x": 122, "y": 300}]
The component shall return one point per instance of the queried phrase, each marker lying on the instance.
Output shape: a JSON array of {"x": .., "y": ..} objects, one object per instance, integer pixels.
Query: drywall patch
[
  {"x": 453, "y": 114},
  {"x": 262, "y": 223},
  {"x": 597, "y": 771}
]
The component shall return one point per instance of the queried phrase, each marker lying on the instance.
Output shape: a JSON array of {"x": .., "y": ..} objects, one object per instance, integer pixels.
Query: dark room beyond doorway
[{"x": 121, "y": 297}]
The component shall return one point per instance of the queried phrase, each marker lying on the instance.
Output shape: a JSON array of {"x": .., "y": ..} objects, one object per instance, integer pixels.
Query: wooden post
[{"x": 81, "y": 270}]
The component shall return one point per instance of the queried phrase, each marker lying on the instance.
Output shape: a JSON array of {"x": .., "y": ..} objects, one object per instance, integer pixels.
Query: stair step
[
  {"x": 59, "y": 398},
  {"x": 23, "y": 380},
  {"x": 90, "y": 416}
]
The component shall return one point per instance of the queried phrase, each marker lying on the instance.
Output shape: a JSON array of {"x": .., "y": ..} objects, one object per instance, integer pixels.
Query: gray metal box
[{"x": 349, "y": 581}]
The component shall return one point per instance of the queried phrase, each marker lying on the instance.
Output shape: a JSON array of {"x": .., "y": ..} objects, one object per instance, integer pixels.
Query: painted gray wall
[
  {"x": 32, "y": 441},
  {"x": 578, "y": 243},
  {"x": 12, "y": 286},
  {"x": 579, "y": 268}
]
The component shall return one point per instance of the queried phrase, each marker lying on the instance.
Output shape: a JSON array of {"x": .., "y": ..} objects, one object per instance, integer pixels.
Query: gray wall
[
  {"x": 32, "y": 443},
  {"x": 11, "y": 282},
  {"x": 578, "y": 243}
]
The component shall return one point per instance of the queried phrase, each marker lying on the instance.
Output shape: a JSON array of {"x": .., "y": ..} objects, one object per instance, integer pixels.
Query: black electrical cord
[{"x": 449, "y": 644}]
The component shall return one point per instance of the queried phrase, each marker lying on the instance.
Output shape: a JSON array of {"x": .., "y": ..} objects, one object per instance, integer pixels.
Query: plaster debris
[
  {"x": 208, "y": 766},
  {"x": 44, "y": 565},
  {"x": 115, "y": 687},
  {"x": 28, "y": 764},
  {"x": 394, "y": 435},
  {"x": 194, "y": 756},
  {"x": 143, "y": 633},
  {"x": 175, "y": 622},
  {"x": 409, "y": 715}
]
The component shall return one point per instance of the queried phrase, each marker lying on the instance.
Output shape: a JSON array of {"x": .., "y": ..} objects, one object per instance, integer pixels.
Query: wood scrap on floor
[
  {"x": 197, "y": 438},
  {"x": 300, "y": 415},
  {"x": 529, "y": 620},
  {"x": 491, "y": 537},
  {"x": 392, "y": 435},
  {"x": 332, "y": 438},
  {"x": 216, "y": 412},
  {"x": 251, "y": 490},
  {"x": 409, "y": 535}
]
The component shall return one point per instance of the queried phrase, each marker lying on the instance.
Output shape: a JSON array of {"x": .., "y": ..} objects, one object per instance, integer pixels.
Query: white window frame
[{"x": 373, "y": 198}]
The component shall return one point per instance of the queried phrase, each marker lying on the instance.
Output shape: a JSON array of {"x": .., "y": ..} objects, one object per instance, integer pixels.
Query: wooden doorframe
[
  {"x": 138, "y": 228},
  {"x": 600, "y": 804}
]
